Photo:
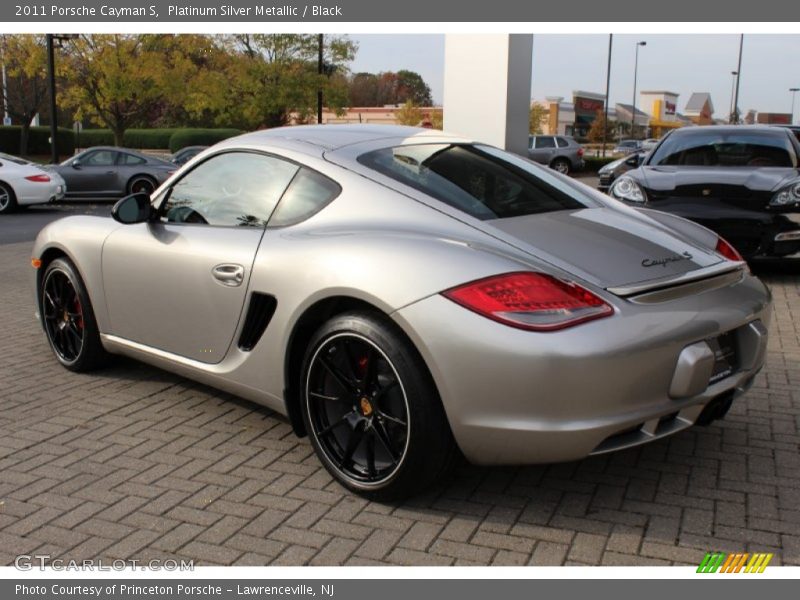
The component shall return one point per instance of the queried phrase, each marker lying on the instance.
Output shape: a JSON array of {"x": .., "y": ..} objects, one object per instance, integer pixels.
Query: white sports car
[{"x": 23, "y": 183}]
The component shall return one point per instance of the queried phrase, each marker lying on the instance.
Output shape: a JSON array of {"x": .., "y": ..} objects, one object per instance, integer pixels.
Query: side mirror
[
  {"x": 75, "y": 164},
  {"x": 634, "y": 160},
  {"x": 132, "y": 209}
]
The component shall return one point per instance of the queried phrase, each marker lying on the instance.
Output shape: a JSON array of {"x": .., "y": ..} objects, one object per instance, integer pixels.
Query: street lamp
[
  {"x": 794, "y": 91},
  {"x": 51, "y": 76},
  {"x": 635, "y": 70},
  {"x": 733, "y": 85}
]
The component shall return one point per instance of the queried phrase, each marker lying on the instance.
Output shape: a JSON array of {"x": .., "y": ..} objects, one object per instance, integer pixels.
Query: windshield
[
  {"x": 479, "y": 180},
  {"x": 726, "y": 149}
]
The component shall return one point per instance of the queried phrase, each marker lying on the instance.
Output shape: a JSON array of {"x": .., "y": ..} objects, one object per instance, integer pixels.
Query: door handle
[{"x": 229, "y": 274}]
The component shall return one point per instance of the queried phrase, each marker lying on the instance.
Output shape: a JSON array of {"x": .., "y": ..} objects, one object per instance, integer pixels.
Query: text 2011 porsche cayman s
[{"x": 402, "y": 294}]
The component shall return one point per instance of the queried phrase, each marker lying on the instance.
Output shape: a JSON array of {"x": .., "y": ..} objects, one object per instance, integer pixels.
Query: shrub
[
  {"x": 38, "y": 140},
  {"x": 95, "y": 137},
  {"x": 199, "y": 137},
  {"x": 149, "y": 138}
]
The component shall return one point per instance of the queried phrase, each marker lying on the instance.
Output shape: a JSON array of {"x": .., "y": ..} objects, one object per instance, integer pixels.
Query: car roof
[
  {"x": 766, "y": 129},
  {"x": 116, "y": 149},
  {"x": 332, "y": 137}
]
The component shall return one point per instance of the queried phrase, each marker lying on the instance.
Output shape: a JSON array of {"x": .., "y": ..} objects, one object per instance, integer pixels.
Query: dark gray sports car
[{"x": 109, "y": 172}]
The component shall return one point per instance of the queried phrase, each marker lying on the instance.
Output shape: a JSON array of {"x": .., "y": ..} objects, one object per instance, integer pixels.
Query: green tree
[
  {"x": 538, "y": 116},
  {"x": 273, "y": 78},
  {"x": 25, "y": 59},
  {"x": 411, "y": 86}
]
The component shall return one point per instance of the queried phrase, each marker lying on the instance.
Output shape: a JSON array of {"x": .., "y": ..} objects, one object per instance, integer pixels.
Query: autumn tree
[
  {"x": 538, "y": 116},
  {"x": 25, "y": 59},
  {"x": 408, "y": 114},
  {"x": 363, "y": 90},
  {"x": 599, "y": 127},
  {"x": 118, "y": 80},
  {"x": 389, "y": 88}
]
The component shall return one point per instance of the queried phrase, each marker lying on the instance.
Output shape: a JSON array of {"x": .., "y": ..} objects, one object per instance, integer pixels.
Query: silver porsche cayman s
[{"x": 402, "y": 295}]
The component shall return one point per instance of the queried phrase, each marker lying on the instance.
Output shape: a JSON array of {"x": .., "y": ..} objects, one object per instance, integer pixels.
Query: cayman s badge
[{"x": 654, "y": 262}]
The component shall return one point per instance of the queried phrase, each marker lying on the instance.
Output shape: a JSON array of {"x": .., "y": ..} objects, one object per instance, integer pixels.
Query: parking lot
[{"x": 135, "y": 463}]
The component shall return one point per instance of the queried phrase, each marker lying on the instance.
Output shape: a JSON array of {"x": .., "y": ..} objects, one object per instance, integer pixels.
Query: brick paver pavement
[{"x": 133, "y": 462}]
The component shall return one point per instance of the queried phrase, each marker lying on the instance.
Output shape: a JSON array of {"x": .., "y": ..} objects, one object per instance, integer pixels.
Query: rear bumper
[{"x": 516, "y": 397}]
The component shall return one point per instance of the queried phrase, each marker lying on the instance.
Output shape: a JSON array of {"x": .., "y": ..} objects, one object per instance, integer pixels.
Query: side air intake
[{"x": 259, "y": 314}]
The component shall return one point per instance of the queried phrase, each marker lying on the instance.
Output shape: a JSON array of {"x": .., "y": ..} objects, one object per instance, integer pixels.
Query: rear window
[
  {"x": 562, "y": 143},
  {"x": 481, "y": 181},
  {"x": 726, "y": 149}
]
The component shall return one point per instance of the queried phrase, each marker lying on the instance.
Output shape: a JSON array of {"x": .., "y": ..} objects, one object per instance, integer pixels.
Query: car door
[
  {"x": 92, "y": 174},
  {"x": 544, "y": 149},
  {"x": 179, "y": 283}
]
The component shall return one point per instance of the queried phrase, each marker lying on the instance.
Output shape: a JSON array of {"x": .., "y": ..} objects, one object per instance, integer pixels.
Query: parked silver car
[
  {"x": 109, "y": 172},
  {"x": 400, "y": 293},
  {"x": 558, "y": 152}
]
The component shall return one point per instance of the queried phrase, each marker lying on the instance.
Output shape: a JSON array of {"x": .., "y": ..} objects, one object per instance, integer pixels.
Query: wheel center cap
[
  {"x": 65, "y": 316},
  {"x": 366, "y": 406}
]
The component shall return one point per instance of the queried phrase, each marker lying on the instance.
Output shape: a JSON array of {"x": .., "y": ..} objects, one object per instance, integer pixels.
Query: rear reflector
[
  {"x": 728, "y": 251},
  {"x": 43, "y": 178},
  {"x": 532, "y": 301}
]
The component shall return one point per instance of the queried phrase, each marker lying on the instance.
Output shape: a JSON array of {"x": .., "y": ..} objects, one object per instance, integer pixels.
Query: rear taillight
[
  {"x": 580, "y": 152},
  {"x": 532, "y": 301},
  {"x": 728, "y": 251},
  {"x": 43, "y": 178}
]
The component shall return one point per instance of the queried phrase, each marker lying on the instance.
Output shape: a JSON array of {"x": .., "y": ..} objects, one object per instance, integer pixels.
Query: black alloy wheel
[
  {"x": 68, "y": 318},
  {"x": 63, "y": 316},
  {"x": 358, "y": 408},
  {"x": 371, "y": 408}
]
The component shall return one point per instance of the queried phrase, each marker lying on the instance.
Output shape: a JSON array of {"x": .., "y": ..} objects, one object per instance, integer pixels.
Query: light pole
[
  {"x": 733, "y": 85},
  {"x": 51, "y": 77},
  {"x": 738, "y": 79},
  {"x": 635, "y": 71},
  {"x": 794, "y": 91},
  {"x": 320, "y": 70},
  {"x": 608, "y": 85}
]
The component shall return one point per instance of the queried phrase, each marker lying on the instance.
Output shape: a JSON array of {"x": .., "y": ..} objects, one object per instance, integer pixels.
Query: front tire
[
  {"x": 371, "y": 409},
  {"x": 8, "y": 200},
  {"x": 68, "y": 318}
]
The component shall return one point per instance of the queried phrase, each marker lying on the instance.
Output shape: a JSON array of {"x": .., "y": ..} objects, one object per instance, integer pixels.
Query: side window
[
  {"x": 545, "y": 142},
  {"x": 308, "y": 193},
  {"x": 100, "y": 158},
  {"x": 130, "y": 159},
  {"x": 231, "y": 189},
  {"x": 562, "y": 143},
  {"x": 531, "y": 141}
]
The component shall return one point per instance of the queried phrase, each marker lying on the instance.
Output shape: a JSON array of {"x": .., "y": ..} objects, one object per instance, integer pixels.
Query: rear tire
[
  {"x": 69, "y": 320},
  {"x": 562, "y": 165},
  {"x": 371, "y": 409},
  {"x": 8, "y": 200},
  {"x": 141, "y": 183}
]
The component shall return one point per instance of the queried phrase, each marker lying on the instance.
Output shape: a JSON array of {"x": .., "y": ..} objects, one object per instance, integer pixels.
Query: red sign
[
  {"x": 587, "y": 105},
  {"x": 669, "y": 107}
]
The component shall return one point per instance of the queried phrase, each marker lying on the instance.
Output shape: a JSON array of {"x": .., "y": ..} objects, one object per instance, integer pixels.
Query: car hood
[
  {"x": 767, "y": 179},
  {"x": 604, "y": 246}
]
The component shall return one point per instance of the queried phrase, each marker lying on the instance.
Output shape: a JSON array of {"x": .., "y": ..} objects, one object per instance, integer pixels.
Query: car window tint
[
  {"x": 308, "y": 193},
  {"x": 99, "y": 158},
  {"x": 562, "y": 143},
  {"x": 130, "y": 159},
  {"x": 231, "y": 189},
  {"x": 545, "y": 142},
  {"x": 481, "y": 181},
  {"x": 726, "y": 149}
]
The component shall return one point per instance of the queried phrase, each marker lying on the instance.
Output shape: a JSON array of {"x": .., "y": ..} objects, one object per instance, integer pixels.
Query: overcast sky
[{"x": 678, "y": 63}]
